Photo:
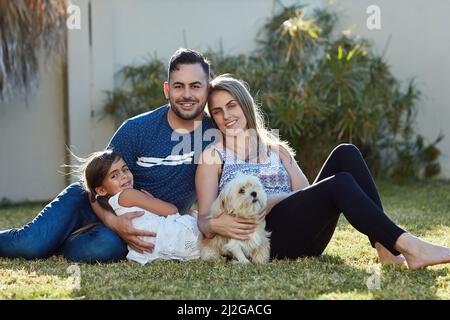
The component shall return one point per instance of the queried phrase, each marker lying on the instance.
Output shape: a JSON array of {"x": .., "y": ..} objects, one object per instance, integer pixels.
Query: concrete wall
[
  {"x": 151, "y": 27},
  {"x": 90, "y": 74},
  {"x": 417, "y": 35},
  {"x": 32, "y": 142}
]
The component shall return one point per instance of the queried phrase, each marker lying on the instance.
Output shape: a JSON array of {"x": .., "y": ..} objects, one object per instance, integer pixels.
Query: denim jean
[{"x": 50, "y": 233}]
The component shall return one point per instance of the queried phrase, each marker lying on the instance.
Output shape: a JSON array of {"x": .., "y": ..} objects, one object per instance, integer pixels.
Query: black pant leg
[
  {"x": 298, "y": 223},
  {"x": 348, "y": 158}
]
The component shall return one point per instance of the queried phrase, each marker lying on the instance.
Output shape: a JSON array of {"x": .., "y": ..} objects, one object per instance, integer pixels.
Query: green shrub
[
  {"x": 318, "y": 89},
  {"x": 143, "y": 91}
]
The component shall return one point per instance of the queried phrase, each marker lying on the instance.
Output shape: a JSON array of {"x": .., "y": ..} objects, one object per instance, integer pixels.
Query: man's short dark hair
[{"x": 188, "y": 56}]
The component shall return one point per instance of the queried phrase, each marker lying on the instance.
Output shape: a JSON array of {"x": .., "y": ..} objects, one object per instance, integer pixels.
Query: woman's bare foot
[
  {"x": 420, "y": 254},
  {"x": 386, "y": 257}
]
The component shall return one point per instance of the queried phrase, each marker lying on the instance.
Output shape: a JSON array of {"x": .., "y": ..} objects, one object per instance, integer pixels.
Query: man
[{"x": 149, "y": 144}]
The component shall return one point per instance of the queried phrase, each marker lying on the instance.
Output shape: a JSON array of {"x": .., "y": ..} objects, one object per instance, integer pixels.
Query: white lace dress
[{"x": 177, "y": 236}]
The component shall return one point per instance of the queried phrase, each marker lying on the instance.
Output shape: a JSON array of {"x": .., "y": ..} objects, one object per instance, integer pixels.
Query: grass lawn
[{"x": 341, "y": 273}]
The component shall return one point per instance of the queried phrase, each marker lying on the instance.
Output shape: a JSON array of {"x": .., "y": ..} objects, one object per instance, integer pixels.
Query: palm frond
[{"x": 28, "y": 29}]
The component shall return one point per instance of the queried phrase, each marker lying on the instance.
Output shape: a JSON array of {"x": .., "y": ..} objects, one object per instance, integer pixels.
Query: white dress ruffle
[{"x": 177, "y": 236}]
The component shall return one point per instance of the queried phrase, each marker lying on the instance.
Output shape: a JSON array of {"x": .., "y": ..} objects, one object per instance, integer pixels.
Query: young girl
[{"x": 108, "y": 181}]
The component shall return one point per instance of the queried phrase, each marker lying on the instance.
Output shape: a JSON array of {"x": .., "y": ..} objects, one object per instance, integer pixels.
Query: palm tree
[{"x": 28, "y": 29}]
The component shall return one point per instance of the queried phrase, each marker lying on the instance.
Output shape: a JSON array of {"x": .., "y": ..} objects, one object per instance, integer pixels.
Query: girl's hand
[
  {"x": 147, "y": 193},
  {"x": 193, "y": 213},
  {"x": 234, "y": 227}
]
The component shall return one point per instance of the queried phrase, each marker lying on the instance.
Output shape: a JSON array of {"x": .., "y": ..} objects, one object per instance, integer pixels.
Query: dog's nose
[{"x": 253, "y": 194}]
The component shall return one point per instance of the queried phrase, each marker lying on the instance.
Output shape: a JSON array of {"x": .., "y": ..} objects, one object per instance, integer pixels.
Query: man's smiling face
[{"x": 187, "y": 90}]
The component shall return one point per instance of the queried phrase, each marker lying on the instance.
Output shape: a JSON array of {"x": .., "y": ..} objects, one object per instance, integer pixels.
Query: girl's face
[
  {"x": 118, "y": 178},
  {"x": 227, "y": 113}
]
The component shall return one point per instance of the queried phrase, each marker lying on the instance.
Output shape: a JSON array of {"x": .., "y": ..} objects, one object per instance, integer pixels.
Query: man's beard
[{"x": 184, "y": 116}]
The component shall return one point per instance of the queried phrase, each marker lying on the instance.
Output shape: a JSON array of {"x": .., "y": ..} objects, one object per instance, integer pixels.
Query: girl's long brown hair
[{"x": 92, "y": 172}]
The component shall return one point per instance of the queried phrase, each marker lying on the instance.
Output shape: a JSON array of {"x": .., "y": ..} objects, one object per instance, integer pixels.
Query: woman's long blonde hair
[{"x": 252, "y": 111}]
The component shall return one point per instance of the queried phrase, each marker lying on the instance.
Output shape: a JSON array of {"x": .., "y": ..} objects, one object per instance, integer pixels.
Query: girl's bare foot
[
  {"x": 420, "y": 254},
  {"x": 386, "y": 257}
]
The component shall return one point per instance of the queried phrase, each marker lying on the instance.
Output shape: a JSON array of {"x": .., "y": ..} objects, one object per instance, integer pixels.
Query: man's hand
[{"x": 123, "y": 226}]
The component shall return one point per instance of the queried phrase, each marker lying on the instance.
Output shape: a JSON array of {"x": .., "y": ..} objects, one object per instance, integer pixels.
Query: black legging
[{"x": 303, "y": 224}]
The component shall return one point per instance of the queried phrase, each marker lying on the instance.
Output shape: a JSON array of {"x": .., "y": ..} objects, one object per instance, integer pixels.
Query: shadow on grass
[
  {"x": 330, "y": 277},
  {"x": 325, "y": 277},
  {"x": 52, "y": 278},
  {"x": 15, "y": 216}
]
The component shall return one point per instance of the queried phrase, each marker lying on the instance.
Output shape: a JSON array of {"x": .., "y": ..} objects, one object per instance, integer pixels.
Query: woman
[{"x": 301, "y": 217}]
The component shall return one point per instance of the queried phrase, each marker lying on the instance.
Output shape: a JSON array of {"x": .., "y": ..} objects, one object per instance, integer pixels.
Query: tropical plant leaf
[{"x": 29, "y": 29}]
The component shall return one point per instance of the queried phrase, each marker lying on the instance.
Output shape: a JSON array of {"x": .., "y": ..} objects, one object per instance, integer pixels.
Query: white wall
[
  {"x": 419, "y": 47},
  {"x": 90, "y": 75},
  {"x": 32, "y": 142},
  {"x": 148, "y": 27}
]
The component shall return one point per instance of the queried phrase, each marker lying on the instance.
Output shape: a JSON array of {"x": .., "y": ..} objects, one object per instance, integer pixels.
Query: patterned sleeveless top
[{"x": 272, "y": 174}]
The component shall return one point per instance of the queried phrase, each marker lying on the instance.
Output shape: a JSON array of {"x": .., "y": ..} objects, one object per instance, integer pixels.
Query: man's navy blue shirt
[{"x": 163, "y": 162}]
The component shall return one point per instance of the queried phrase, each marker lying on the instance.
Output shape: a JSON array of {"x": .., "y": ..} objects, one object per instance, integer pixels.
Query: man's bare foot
[
  {"x": 386, "y": 257},
  {"x": 420, "y": 254}
]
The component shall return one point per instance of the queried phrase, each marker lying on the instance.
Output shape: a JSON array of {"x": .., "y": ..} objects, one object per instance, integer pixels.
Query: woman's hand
[
  {"x": 271, "y": 202},
  {"x": 264, "y": 212},
  {"x": 234, "y": 227}
]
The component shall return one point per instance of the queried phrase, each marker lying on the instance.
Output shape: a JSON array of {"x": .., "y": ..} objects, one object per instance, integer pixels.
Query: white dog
[{"x": 244, "y": 196}]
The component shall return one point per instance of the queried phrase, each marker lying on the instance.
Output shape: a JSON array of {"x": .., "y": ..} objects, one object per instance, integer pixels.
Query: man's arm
[{"x": 124, "y": 228}]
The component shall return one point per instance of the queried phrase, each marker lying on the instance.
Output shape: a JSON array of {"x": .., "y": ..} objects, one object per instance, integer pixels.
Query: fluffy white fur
[{"x": 244, "y": 196}]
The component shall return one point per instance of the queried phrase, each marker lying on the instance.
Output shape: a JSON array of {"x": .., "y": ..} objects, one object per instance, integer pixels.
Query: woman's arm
[
  {"x": 207, "y": 186},
  {"x": 135, "y": 198},
  {"x": 298, "y": 178}
]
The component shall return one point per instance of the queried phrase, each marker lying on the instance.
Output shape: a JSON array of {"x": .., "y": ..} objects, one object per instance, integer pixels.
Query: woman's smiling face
[{"x": 227, "y": 113}]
